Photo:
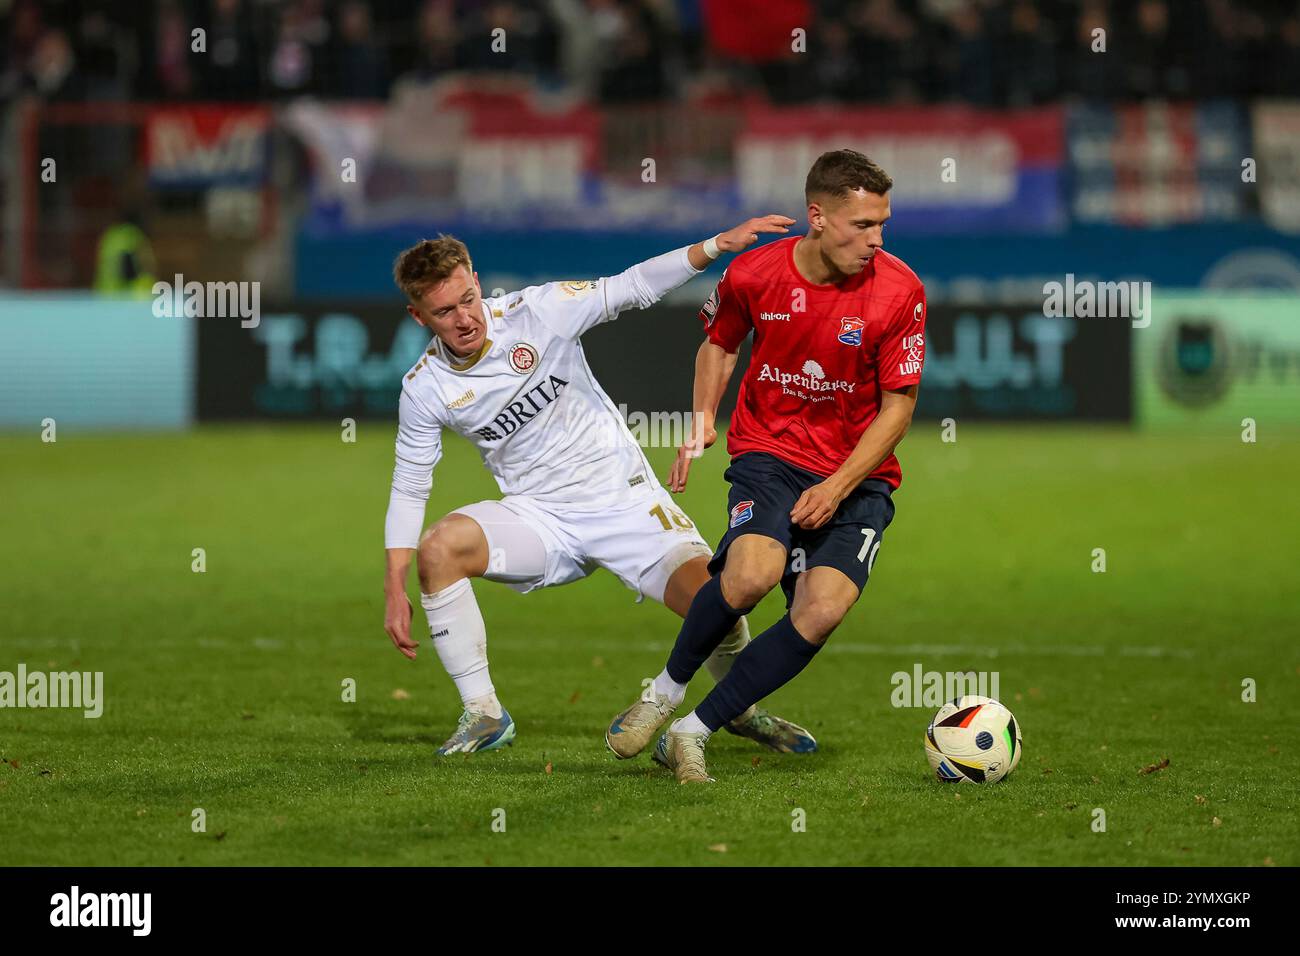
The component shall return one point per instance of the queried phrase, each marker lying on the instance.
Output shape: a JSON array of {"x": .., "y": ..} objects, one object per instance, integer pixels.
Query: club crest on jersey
[
  {"x": 742, "y": 513},
  {"x": 523, "y": 358},
  {"x": 851, "y": 330}
]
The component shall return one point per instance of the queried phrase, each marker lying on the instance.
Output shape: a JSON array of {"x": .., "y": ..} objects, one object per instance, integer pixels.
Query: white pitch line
[
  {"x": 550, "y": 643},
  {"x": 850, "y": 647}
]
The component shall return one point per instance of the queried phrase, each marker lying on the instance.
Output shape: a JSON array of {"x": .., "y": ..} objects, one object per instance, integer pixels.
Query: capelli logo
[
  {"x": 463, "y": 400},
  {"x": 73, "y": 909}
]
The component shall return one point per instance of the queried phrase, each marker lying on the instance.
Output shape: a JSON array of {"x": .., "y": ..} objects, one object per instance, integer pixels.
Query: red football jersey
[{"x": 821, "y": 353}]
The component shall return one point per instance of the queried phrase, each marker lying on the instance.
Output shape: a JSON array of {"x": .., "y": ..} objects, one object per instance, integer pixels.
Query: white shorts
[{"x": 539, "y": 544}]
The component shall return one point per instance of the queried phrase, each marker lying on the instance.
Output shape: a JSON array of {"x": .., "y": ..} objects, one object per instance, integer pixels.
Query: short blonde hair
[{"x": 428, "y": 263}]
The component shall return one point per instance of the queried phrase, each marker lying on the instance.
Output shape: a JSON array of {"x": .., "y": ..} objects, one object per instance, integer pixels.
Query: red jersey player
[{"x": 839, "y": 342}]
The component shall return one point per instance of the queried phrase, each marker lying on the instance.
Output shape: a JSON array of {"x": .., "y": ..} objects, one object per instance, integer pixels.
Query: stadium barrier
[
  {"x": 94, "y": 363},
  {"x": 1218, "y": 362},
  {"x": 995, "y": 268},
  {"x": 337, "y": 360},
  {"x": 1204, "y": 360}
]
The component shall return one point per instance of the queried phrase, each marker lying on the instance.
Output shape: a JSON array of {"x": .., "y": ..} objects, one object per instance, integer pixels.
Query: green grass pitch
[{"x": 223, "y": 688}]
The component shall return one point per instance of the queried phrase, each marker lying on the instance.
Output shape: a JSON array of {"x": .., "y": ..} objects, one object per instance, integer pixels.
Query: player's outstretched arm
[
  {"x": 713, "y": 370},
  {"x": 736, "y": 239},
  {"x": 645, "y": 283}
]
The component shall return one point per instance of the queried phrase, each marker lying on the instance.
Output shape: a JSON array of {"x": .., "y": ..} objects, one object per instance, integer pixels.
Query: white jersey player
[{"x": 508, "y": 373}]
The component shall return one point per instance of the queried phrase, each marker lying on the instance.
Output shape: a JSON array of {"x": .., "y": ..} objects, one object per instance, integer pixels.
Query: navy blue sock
[
  {"x": 771, "y": 660},
  {"x": 708, "y": 621}
]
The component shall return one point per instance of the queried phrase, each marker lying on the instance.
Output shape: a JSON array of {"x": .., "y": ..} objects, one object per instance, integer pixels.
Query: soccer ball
[{"x": 972, "y": 739}]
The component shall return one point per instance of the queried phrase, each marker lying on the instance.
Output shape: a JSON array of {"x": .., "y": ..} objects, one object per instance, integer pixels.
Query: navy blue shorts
[{"x": 764, "y": 490}]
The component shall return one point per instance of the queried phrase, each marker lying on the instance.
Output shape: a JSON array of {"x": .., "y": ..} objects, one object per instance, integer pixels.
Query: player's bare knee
[
  {"x": 447, "y": 552},
  {"x": 816, "y": 618},
  {"x": 744, "y": 586}
]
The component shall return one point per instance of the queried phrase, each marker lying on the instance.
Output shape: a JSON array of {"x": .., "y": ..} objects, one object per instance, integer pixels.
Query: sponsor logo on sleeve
[
  {"x": 914, "y": 354},
  {"x": 741, "y": 513},
  {"x": 918, "y": 312},
  {"x": 577, "y": 287},
  {"x": 710, "y": 308}
]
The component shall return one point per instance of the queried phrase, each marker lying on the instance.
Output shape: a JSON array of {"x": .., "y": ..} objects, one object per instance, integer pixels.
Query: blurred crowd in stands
[{"x": 985, "y": 52}]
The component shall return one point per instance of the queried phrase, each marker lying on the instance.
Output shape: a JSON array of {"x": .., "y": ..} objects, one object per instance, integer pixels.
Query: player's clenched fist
[
  {"x": 398, "y": 613},
  {"x": 747, "y": 233}
]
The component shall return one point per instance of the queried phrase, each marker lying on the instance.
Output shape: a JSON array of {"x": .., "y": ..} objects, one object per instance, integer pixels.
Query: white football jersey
[{"x": 529, "y": 403}]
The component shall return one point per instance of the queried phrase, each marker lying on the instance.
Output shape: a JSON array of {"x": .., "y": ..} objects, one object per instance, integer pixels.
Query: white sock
[
  {"x": 666, "y": 685},
  {"x": 458, "y": 635},
  {"x": 720, "y": 661},
  {"x": 690, "y": 724}
]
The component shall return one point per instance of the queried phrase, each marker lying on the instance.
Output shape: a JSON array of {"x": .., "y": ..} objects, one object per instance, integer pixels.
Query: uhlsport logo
[
  {"x": 851, "y": 330},
  {"x": 742, "y": 513},
  {"x": 774, "y": 316},
  {"x": 523, "y": 358}
]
